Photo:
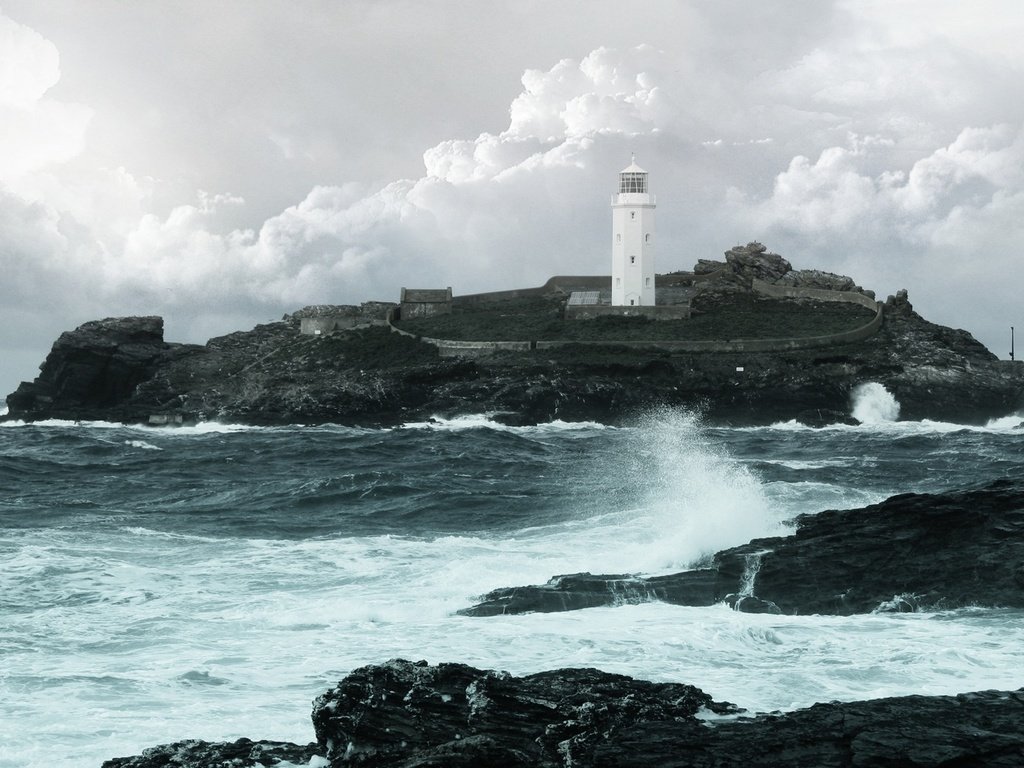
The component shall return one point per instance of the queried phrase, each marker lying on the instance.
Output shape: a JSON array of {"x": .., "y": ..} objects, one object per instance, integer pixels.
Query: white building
[{"x": 633, "y": 240}]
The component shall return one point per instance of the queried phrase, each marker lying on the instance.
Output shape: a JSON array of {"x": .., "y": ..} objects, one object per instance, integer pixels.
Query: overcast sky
[{"x": 222, "y": 163}]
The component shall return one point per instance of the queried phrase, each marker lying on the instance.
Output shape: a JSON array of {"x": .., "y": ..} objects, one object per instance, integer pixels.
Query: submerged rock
[
  {"x": 405, "y": 714},
  {"x": 963, "y": 548}
]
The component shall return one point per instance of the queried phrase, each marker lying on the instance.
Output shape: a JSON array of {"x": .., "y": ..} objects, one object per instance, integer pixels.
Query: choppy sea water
[{"x": 208, "y": 582}]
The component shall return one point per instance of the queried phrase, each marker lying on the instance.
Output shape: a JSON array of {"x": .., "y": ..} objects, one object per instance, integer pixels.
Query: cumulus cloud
[
  {"x": 855, "y": 151},
  {"x": 34, "y": 131},
  {"x": 834, "y": 194}
]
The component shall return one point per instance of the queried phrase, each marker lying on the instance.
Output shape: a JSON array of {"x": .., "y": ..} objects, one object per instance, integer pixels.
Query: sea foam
[{"x": 873, "y": 403}]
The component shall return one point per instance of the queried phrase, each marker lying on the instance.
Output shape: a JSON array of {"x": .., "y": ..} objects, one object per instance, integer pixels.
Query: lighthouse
[{"x": 633, "y": 240}]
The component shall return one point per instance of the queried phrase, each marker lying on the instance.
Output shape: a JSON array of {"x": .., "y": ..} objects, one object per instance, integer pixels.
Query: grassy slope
[{"x": 742, "y": 316}]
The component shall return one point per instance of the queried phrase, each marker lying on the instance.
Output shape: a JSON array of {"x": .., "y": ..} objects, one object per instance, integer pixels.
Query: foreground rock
[
  {"x": 949, "y": 550},
  {"x": 405, "y": 714},
  {"x": 242, "y": 753},
  {"x": 121, "y": 369}
]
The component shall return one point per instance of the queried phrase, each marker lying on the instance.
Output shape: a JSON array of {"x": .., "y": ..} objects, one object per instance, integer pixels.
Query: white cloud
[
  {"x": 830, "y": 136},
  {"x": 34, "y": 131},
  {"x": 835, "y": 194}
]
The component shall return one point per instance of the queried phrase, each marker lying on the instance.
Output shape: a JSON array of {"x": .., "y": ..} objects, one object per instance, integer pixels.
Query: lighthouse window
[
  {"x": 647, "y": 282},
  {"x": 618, "y": 238},
  {"x": 632, "y": 183},
  {"x": 647, "y": 238},
  {"x": 632, "y": 214},
  {"x": 632, "y": 259},
  {"x": 618, "y": 282}
]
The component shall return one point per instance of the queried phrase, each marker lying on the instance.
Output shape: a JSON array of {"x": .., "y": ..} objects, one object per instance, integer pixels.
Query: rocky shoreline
[
  {"x": 962, "y": 548},
  {"x": 403, "y": 714},
  {"x": 910, "y": 552}
]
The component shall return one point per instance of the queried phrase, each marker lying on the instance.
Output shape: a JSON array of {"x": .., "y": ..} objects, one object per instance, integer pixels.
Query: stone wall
[
  {"x": 821, "y": 294},
  {"x": 450, "y": 347},
  {"x": 425, "y": 302},
  {"x": 324, "y": 319}
]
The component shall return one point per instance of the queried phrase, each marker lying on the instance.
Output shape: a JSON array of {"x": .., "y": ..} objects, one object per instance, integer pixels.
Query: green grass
[{"x": 742, "y": 316}]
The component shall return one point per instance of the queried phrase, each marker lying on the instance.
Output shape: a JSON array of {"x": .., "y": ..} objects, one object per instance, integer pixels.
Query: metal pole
[{"x": 1011, "y": 342}]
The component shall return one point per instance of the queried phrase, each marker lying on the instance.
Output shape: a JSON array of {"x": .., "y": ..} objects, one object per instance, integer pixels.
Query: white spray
[
  {"x": 694, "y": 498},
  {"x": 874, "y": 404}
]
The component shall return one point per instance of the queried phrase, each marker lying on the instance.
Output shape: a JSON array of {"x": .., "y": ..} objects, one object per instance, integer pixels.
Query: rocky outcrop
[
  {"x": 411, "y": 715},
  {"x": 243, "y": 753},
  {"x": 453, "y": 714},
  {"x": 93, "y": 370},
  {"x": 754, "y": 261},
  {"x": 964, "y": 548}
]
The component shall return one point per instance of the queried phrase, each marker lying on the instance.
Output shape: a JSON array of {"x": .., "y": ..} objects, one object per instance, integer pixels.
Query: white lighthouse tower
[{"x": 633, "y": 240}]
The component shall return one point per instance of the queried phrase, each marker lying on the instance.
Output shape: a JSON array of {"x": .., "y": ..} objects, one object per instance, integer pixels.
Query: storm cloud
[{"x": 225, "y": 165}]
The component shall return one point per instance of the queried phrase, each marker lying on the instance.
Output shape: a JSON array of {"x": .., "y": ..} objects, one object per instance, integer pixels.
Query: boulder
[
  {"x": 753, "y": 260},
  {"x": 243, "y": 753},
  {"x": 412, "y": 713},
  {"x": 815, "y": 278}
]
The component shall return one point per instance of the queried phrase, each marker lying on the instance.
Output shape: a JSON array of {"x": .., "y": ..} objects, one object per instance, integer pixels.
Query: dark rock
[
  {"x": 708, "y": 267},
  {"x": 94, "y": 370},
  {"x": 202, "y": 754},
  {"x": 751, "y": 604},
  {"x": 963, "y": 548},
  {"x": 974, "y": 729},
  {"x": 405, "y": 714},
  {"x": 754, "y": 261}
]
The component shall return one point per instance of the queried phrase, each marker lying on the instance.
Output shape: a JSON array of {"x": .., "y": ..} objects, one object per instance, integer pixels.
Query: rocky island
[{"x": 749, "y": 340}]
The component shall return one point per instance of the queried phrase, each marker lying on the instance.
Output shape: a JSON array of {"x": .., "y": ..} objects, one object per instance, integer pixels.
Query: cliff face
[
  {"x": 122, "y": 369},
  {"x": 95, "y": 369}
]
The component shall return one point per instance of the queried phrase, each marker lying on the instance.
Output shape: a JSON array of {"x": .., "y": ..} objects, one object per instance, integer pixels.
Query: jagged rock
[
  {"x": 243, "y": 753},
  {"x": 915, "y": 550},
  {"x": 900, "y": 302},
  {"x": 973, "y": 729},
  {"x": 406, "y": 713},
  {"x": 754, "y": 261},
  {"x": 411, "y": 715},
  {"x": 94, "y": 368},
  {"x": 708, "y": 266},
  {"x": 814, "y": 278}
]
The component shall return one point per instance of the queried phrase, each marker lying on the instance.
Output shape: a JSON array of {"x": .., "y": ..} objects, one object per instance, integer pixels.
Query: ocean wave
[
  {"x": 1005, "y": 424},
  {"x": 486, "y": 421}
]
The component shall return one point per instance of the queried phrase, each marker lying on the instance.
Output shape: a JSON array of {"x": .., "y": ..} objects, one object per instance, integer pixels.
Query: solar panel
[{"x": 580, "y": 298}]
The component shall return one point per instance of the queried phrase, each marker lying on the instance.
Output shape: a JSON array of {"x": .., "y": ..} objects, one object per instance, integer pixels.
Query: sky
[{"x": 221, "y": 164}]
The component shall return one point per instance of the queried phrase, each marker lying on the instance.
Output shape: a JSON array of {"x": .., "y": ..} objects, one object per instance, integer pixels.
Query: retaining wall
[
  {"x": 822, "y": 294},
  {"x": 451, "y": 347}
]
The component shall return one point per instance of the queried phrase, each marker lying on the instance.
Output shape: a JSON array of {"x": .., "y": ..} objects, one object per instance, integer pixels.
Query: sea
[{"x": 209, "y": 581}]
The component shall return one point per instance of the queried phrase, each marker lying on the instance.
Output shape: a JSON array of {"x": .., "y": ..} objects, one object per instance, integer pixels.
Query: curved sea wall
[{"x": 452, "y": 347}]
